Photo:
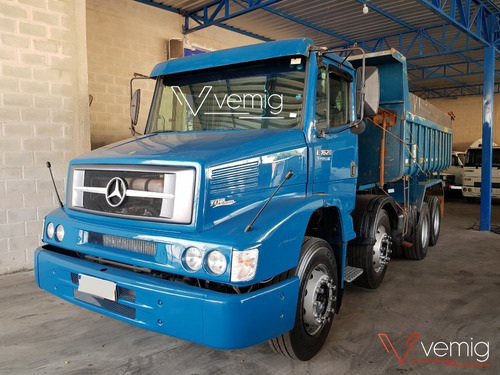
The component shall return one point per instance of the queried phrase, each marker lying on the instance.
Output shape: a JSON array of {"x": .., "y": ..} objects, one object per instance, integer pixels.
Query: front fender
[{"x": 277, "y": 233}]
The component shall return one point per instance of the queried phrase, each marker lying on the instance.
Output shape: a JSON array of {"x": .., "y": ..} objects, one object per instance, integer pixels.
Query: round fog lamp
[
  {"x": 192, "y": 258},
  {"x": 59, "y": 233},
  {"x": 216, "y": 262},
  {"x": 50, "y": 230}
]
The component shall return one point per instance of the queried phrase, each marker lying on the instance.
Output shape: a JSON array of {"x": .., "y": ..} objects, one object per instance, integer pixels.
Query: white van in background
[
  {"x": 452, "y": 176},
  {"x": 471, "y": 178}
]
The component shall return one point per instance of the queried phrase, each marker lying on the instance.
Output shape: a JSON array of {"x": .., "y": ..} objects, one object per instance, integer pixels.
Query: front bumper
[{"x": 219, "y": 320}]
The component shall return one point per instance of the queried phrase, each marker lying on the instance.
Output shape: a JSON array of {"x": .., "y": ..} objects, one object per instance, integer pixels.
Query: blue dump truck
[{"x": 267, "y": 177}]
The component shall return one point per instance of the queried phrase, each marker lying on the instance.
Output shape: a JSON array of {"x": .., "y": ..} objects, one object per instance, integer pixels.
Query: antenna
[
  {"x": 288, "y": 175},
  {"x": 54, "y": 183}
]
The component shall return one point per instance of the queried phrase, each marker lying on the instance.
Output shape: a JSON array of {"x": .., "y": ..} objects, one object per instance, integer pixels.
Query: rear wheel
[
  {"x": 420, "y": 235},
  {"x": 318, "y": 292},
  {"x": 373, "y": 259},
  {"x": 435, "y": 218}
]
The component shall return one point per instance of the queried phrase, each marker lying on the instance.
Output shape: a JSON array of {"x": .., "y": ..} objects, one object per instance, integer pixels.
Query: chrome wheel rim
[
  {"x": 424, "y": 236},
  {"x": 436, "y": 221},
  {"x": 380, "y": 249},
  {"x": 319, "y": 299}
]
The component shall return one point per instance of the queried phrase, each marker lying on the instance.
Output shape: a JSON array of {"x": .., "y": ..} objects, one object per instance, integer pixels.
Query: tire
[
  {"x": 316, "y": 305},
  {"x": 373, "y": 259},
  {"x": 434, "y": 204},
  {"x": 420, "y": 235}
]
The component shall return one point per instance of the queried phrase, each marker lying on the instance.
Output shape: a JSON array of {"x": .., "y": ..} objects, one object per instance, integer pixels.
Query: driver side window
[
  {"x": 339, "y": 101},
  {"x": 333, "y": 99}
]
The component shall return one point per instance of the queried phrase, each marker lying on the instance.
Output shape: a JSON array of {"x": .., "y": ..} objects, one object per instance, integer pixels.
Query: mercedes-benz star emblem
[{"x": 116, "y": 191}]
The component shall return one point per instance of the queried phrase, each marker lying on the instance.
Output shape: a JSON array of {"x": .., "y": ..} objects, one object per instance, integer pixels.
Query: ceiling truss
[{"x": 462, "y": 29}]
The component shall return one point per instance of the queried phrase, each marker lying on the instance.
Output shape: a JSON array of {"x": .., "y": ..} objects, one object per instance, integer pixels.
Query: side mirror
[
  {"x": 135, "y": 104},
  {"x": 371, "y": 98}
]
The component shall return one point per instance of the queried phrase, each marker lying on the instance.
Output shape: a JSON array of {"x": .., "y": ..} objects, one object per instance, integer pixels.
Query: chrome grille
[
  {"x": 234, "y": 177},
  {"x": 148, "y": 193}
]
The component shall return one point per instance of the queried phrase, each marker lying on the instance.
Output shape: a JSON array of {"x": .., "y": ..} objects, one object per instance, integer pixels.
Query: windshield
[
  {"x": 257, "y": 95},
  {"x": 474, "y": 157}
]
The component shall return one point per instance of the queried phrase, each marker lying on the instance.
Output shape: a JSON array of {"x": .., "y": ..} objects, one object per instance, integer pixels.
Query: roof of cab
[{"x": 236, "y": 55}]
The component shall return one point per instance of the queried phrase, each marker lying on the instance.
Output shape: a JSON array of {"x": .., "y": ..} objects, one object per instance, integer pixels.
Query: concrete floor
[{"x": 451, "y": 296}]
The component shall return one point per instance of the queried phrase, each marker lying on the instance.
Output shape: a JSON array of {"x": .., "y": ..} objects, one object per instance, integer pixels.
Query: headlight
[
  {"x": 216, "y": 262},
  {"x": 244, "y": 265},
  {"x": 50, "y": 230},
  {"x": 192, "y": 259},
  {"x": 59, "y": 232}
]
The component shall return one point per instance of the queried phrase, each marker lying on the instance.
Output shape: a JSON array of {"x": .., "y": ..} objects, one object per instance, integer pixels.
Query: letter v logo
[
  {"x": 178, "y": 93},
  {"x": 384, "y": 338}
]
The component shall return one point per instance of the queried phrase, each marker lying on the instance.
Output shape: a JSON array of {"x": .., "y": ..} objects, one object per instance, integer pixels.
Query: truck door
[{"x": 335, "y": 151}]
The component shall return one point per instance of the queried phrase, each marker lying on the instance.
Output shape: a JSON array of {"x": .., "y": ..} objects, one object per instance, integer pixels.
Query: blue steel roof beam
[
  {"x": 380, "y": 42},
  {"x": 236, "y": 30},
  {"x": 212, "y": 13},
  {"x": 412, "y": 66},
  {"x": 178, "y": 11},
  {"x": 496, "y": 37},
  {"x": 307, "y": 24},
  {"x": 493, "y": 5},
  {"x": 433, "y": 41},
  {"x": 446, "y": 49},
  {"x": 486, "y": 31},
  {"x": 446, "y": 92},
  {"x": 443, "y": 70},
  {"x": 440, "y": 76},
  {"x": 415, "y": 67},
  {"x": 369, "y": 43},
  {"x": 428, "y": 72}
]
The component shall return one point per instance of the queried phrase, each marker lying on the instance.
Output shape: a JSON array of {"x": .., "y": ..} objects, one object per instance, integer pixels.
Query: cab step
[{"x": 351, "y": 273}]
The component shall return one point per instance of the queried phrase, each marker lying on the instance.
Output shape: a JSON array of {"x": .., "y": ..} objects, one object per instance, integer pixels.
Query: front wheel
[{"x": 318, "y": 293}]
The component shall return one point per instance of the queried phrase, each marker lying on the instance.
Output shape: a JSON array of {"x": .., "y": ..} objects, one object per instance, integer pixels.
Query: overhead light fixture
[{"x": 365, "y": 9}]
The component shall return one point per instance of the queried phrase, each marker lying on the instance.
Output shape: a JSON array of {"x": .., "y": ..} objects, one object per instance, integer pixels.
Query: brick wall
[
  {"x": 125, "y": 37},
  {"x": 45, "y": 81},
  {"x": 43, "y": 115},
  {"x": 468, "y": 124}
]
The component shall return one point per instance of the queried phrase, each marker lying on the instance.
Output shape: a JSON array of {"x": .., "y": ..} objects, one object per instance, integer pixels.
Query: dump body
[{"x": 418, "y": 137}]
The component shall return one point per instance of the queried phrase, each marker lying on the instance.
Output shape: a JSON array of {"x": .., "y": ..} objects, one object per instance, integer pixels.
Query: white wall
[
  {"x": 125, "y": 37},
  {"x": 45, "y": 82},
  {"x": 43, "y": 115}
]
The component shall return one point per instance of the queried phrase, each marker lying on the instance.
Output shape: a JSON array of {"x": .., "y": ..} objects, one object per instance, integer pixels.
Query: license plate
[{"x": 97, "y": 287}]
